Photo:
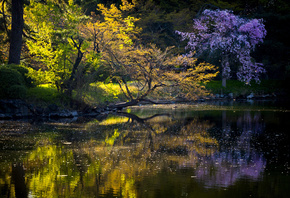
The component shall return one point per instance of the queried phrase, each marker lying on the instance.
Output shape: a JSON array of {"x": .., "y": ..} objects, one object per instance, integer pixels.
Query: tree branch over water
[{"x": 141, "y": 120}]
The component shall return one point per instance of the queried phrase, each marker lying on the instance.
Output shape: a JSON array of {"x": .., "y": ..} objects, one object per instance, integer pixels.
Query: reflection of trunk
[
  {"x": 138, "y": 119},
  {"x": 150, "y": 144},
  {"x": 82, "y": 168},
  {"x": 224, "y": 121},
  {"x": 98, "y": 181},
  {"x": 18, "y": 177}
]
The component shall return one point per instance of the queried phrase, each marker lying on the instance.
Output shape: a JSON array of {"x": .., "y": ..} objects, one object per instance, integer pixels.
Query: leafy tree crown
[{"x": 232, "y": 36}]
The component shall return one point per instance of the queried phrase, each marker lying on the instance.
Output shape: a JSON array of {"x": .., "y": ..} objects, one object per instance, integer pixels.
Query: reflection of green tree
[
  {"x": 192, "y": 135},
  {"x": 6, "y": 184},
  {"x": 113, "y": 156},
  {"x": 68, "y": 171},
  {"x": 53, "y": 171},
  {"x": 17, "y": 139},
  {"x": 121, "y": 157},
  {"x": 144, "y": 148},
  {"x": 110, "y": 140}
]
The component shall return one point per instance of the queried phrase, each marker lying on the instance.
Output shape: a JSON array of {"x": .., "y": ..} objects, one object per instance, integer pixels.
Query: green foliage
[
  {"x": 159, "y": 23},
  {"x": 102, "y": 93},
  {"x": 45, "y": 94},
  {"x": 40, "y": 77},
  {"x": 24, "y": 72},
  {"x": 240, "y": 89},
  {"x": 10, "y": 77},
  {"x": 5, "y": 27},
  {"x": 56, "y": 37},
  {"x": 17, "y": 91},
  {"x": 11, "y": 81}
]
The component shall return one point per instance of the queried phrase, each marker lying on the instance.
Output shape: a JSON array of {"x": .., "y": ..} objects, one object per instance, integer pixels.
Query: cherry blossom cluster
[{"x": 230, "y": 35}]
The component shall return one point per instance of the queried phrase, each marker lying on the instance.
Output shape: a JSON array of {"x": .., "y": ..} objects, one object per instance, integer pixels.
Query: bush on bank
[
  {"x": 15, "y": 84},
  {"x": 12, "y": 83}
]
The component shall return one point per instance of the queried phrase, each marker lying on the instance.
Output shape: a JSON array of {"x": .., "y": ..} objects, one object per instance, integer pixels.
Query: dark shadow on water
[{"x": 18, "y": 178}]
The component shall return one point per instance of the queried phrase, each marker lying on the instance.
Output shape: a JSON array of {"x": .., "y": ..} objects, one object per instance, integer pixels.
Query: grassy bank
[
  {"x": 96, "y": 95},
  {"x": 44, "y": 95},
  {"x": 99, "y": 93},
  {"x": 239, "y": 89}
]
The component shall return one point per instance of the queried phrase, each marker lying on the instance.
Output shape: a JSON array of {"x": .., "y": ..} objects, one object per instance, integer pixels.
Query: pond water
[{"x": 237, "y": 149}]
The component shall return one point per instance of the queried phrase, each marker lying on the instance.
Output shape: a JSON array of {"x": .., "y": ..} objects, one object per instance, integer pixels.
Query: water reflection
[
  {"x": 236, "y": 158},
  {"x": 126, "y": 155}
]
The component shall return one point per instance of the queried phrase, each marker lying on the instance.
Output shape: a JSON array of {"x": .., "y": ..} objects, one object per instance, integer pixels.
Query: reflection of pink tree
[
  {"x": 224, "y": 169},
  {"x": 236, "y": 158},
  {"x": 232, "y": 37}
]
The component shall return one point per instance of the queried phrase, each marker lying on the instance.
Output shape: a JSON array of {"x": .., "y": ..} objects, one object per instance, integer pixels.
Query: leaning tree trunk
[
  {"x": 71, "y": 83},
  {"x": 16, "y": 32}
]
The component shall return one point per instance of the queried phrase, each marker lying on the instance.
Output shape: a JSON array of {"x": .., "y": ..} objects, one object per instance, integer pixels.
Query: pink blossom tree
[{"x": 232, "y": 38}]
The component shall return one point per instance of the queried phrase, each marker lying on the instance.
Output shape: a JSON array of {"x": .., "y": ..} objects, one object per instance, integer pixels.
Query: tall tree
[
  {"x": 148, "y": 67},
  {"x": 16, "y": 32},
  {"x": 57, "y": 44}
]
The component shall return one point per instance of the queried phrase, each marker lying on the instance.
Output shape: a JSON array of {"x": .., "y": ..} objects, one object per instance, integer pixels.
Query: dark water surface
[{"x": 218, "y": 150}]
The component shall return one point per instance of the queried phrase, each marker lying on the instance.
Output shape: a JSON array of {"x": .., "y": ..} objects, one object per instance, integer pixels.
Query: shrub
[
  {"x": 17, "y": 91},
  {"x": 46, "y": 94},
  {"x": 24, "y": 72},
  {"x": 9, "y": 78}
]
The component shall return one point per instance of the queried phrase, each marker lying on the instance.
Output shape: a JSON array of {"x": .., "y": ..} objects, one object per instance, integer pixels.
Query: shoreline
[{"x": 20, "y": 109}]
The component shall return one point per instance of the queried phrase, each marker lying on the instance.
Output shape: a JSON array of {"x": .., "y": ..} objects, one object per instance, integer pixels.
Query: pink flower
[{"x": 222, "y": 31}]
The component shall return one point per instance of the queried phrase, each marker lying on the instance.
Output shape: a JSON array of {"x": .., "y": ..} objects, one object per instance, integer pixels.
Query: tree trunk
[
  {"x": 16, "y": 32},
  {"x": 72, "y": 80},
  {"x": 224, "y": 82},
  {"x": 225, "y": 70},
  {"x": 71, "y": 83},
  {"x": 128, "y": 104}
]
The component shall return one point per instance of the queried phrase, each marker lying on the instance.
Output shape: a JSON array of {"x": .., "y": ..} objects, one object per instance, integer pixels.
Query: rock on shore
[{"x": 10, "y": 109}]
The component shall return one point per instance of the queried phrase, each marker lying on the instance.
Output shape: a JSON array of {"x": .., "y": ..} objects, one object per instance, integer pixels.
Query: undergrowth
[
  {"x": 46, "y": 94},
  {"x": 100, "y": 93},
  {"x": 240, "y": 89}
]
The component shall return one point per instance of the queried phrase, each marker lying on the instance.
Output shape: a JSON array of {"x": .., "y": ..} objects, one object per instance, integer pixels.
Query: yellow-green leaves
[
  {"x": 54, "y": 25},
  {"x": 110, "y": 140}
]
